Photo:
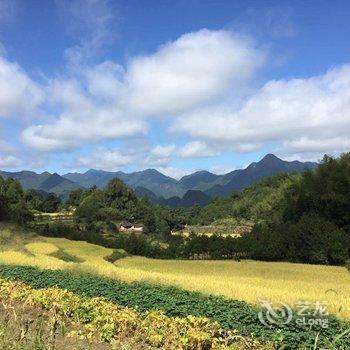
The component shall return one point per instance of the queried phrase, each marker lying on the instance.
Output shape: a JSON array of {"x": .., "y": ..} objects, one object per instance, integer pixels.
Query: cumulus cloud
[
  {"x": 19, "y": 94},
  {"x": 83, "y": 120},
  {"x": 324, "y": 145},
  {"x": 175, "y": 173},
  {"x": 194, "y": 68},
  {"x": 161, "y": 154},
  {"x": 104, "y": 81},
  {"x": 163, "y": 151},
  {"x": 197, "y": 149},
  {"x": 105, "y": 159},
  {"x": 9, "y": 161},
  {"x": 303, "y": 114},
  {"x": 106, "y": 101}
]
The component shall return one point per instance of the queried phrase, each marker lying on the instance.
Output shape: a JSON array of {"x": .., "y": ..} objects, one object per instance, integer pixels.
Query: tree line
[
  {"x": 298, "y": 217},
  {"x": 312, "y": 221}
]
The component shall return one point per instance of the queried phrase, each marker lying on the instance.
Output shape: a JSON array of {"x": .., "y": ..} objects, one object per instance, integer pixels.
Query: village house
[{"x": 131, "y": 227}]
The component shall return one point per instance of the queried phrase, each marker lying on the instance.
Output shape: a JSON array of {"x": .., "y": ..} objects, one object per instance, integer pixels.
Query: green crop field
[{"x": 246, "y": 280}]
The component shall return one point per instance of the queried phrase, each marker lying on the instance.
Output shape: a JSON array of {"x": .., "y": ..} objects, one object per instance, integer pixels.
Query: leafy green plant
[
  {"x": 230, "y": 314},
  {"x": 110, "y": 323}
]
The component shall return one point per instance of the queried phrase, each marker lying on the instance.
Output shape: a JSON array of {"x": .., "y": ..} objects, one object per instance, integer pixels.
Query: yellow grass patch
[
  {"x": 41, "y": 248},
  {"x": 245, "y": 280}
]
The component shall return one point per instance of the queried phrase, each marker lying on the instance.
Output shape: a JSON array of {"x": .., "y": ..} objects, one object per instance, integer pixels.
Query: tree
[
  {"x": 315, "y": 240},
  {"x": 20, "y": 213},
  {"x": 51, "y": 203},
  {"x": 75, "y": 197},
  {"x": 89, "y": 207},
  {"x": 12, "y": 202},
  {"x": 34, "y": 200}
]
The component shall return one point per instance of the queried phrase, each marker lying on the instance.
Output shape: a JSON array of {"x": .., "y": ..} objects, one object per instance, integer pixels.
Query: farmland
[
  {"x": 66, "y": 320},
  {"x": 246, "y": 280}
]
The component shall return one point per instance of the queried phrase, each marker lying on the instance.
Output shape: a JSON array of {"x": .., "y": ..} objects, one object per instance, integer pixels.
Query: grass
[{"x": 247, "y": 280}]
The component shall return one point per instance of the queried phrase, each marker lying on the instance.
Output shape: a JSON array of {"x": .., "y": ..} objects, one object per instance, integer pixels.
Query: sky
[{"x": 175, "y": 85}]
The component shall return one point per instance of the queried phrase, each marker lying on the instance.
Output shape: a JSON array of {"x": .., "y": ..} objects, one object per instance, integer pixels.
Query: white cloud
[
  {"x": 302, "y": 113},
  {"x": 175, "y": 173},
  {"x": 193, "y": 69},
  {"x": 106, "y": 102},
  {"x": 197, "y": 149},
  {"x": 104, "y": 159},
  {"x": 163, "y": 151},
  {"x": 83, "y": 120},
  {"x": 306, "y": 144},
  {"x": 156, "y": 156},
  {"x": 222, "y": 169},
  {"x": 104, "y": 81},
  {"x": 19, "y": 95},
  {"x": 7, "y": 155},
  {"x": 9, "y": 161}
]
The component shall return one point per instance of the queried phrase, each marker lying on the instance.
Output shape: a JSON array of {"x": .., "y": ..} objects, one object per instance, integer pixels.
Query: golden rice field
[{"x": 245, "y": 280}]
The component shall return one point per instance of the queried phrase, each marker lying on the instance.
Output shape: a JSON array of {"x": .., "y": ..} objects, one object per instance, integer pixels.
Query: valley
[
  {"x": 220, "y": 265},
  {"x": 245, "y": 280}
]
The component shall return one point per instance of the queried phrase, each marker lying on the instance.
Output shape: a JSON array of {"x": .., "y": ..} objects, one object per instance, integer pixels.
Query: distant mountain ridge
[
  {"x": 212, "y": 185},
  {"x": 44, "y": 182},
  {"x": 151, "y": 179},
  {"x": 161, "y": 188},
  {"x": 238, "y": 180}
]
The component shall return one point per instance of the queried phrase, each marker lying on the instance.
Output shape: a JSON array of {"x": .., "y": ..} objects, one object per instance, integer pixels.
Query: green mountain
[
  {"x": 28, "y": 179},
  {"x": 200, "y": 180},
  {"x": 213, "y": 185},
  {"x": 142, "y": 192},
  {"x": 240, "y": 179},
  {"x": 92, "y": 177},
  {"x": 44, "y": 182},
  {"x": 151, "y": 179},
  {"x": 191, "y": 198},
  {"x": 160, "y": 185},
  {"x": 254, "y": 203}
]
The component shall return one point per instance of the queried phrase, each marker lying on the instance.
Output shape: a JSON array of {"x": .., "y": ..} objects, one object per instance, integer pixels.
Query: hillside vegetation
[{"x": 255, "y": 203}]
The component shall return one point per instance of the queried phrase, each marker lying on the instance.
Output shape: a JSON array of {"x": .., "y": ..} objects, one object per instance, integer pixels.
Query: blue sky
[{"x": 173, "y": 85}]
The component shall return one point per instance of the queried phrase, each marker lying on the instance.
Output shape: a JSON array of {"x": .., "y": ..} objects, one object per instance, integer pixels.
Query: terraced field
[{"x": 246, "y": 280}]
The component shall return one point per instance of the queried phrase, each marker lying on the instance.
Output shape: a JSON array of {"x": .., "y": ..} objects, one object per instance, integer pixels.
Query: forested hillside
[
  {"x": 311, "y": 222},
  {"x": 297, "y": 217},
  {"x": 255, "y": 203}
]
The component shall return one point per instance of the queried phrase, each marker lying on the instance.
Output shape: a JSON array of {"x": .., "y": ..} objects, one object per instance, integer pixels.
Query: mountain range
[
  {"x": 198, "y": 187},
  {"x": 44, "y": 182}
]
